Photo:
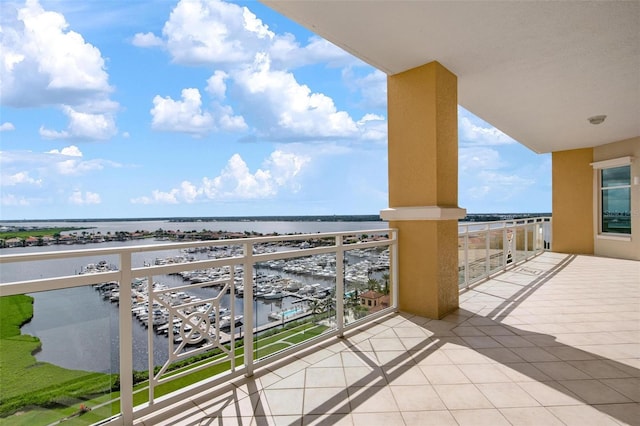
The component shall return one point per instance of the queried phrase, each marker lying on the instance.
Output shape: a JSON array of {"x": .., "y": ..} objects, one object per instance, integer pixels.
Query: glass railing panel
[
  {"x": 462, "y": 260},
  {"x": 293, "y": 299},
  {"x": 368, "y": 284},
  {"x": 477, "y": 255},
  {"x": 58, "y": 357},
  {"x": 496, "y": 250}
]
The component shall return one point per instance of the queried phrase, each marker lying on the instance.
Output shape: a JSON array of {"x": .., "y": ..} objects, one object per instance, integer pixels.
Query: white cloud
[
  {"x": 284, "y": 109},
  {"x": 373, "y": 127},
  {"x": 474, "y": 159},
  {"x": 21, "y": 178},
  {"x": 147, "y": 40},
  {"x": 78, "y": 198},
  {"x": 7, "y": 126},
  {"x": 13, "y": 200},
  {"x": 286, "y": 52},
  {"x": 214, "y": 32},
  {"x": 182, "y": 116},
  {"x": 216, "y": 85},
  {"x": 280, "y": 171},
  {"x": 45, "y": 63},
  {"x": 83, "y": 126},
  {"x": 72, "y": 151},
  {"x": 372, "y": 87},
  {"x": 481, "y": 133}
]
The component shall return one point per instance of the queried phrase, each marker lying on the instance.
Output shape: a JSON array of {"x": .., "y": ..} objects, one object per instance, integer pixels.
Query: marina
[{"x": 85, "y": 314}]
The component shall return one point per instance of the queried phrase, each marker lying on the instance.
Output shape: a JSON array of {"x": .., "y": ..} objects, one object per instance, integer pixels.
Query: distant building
[{"x": 371, "y": 299}]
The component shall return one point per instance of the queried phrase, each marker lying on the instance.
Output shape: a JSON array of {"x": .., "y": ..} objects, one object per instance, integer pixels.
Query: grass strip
[{"x": 25, "y": 381}]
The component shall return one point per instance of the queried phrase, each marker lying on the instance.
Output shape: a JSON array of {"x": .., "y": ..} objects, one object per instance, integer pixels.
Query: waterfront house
[{"x": 370, "y": 298}]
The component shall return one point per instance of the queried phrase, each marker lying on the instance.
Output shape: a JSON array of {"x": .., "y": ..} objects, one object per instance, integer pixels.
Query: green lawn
[{"x": 23, "y": 380}]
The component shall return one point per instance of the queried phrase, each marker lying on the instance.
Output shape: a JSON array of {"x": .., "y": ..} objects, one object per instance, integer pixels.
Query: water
[{"x": 79, "y": 330}]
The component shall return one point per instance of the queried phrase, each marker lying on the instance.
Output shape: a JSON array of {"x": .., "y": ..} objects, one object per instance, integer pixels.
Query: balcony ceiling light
[{"x": 597, "y": 119}]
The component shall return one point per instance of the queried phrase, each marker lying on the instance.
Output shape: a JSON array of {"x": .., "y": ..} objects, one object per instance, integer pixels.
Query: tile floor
[{"x": 555, "y": 341}]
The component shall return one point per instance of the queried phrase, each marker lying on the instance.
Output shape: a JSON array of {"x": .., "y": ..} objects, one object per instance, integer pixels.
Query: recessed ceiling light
[{"x": 597, "y": 119}]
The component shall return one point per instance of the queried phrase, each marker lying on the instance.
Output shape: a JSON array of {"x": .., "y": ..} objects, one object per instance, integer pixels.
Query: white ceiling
[{"x": 534, "y": 69}]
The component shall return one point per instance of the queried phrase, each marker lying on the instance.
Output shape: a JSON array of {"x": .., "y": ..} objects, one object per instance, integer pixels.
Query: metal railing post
[
  {"x": 339, "y": 285},
  {"x": 248, "y": 308},
  {"x": 126, "y": 340},
  {"x": 393, "y": 264},
  {"x": 487, "y": 269},
  {"x": 466, "y": 257}
]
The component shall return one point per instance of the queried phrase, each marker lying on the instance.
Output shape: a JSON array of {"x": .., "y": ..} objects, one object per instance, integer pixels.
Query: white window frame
[{"x": 598, "y": 167}]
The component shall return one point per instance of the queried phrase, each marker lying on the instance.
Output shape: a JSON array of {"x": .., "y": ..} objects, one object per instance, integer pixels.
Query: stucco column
[
  {"x": 423, "y": 187},
  {"x": 572, "y": 201}
]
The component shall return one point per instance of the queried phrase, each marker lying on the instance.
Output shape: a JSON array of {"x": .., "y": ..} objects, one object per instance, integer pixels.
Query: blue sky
[{"x": 208, "y": 108}]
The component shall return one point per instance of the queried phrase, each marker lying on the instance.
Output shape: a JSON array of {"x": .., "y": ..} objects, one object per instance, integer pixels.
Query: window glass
[
  {"x": 616, "y": 176},
  {"x": 616, "y": 200}
]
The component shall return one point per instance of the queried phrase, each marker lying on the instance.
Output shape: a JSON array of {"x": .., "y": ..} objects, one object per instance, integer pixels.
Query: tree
[
  {"x": 385, "y": 288},
  {"x": 373, "y": 284}
]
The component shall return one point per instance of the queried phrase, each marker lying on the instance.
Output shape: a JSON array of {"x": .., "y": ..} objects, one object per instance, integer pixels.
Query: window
[{"x": 615, "y": 200}]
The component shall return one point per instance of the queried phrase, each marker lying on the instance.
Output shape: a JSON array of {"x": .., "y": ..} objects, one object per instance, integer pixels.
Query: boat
[{"x": 274, "y": 294}]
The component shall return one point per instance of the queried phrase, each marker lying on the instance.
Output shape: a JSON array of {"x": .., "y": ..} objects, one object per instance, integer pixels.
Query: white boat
[{"x": 275, "y": 294}]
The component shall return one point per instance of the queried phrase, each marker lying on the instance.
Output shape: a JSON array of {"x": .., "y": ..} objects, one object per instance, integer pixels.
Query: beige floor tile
[
  {"x": 444, "y": 374},
  {"x": 334, "y": 360},
  {"x": 627, "y": 414},
  {"x": 328, "y": 419},
  {"x": 513, "y": 341},
  {"x": 629, "y": 387},
  {"x": 484, "y": 373},
  {"x": 386, "y": 344},
  {"x": 582, "y": 415},
  {"x": 599, "y": 369},
  {"x": 594, "y": 392},
  {"x": 324, "y": 377},
  {"x": 530, "y": 416},
  {"x": 286, "y": 420},
  {"x": 499, "y": 355},
  {"x": 462, "y": 397},
  {"x": 478, "y": 342},
  {"x": 465, "y": 331},
  {"x": 431, "y": 357},
  {"x": 417, "y": 398},
  {"x": 284, "y": 402},
  {"x": 295, "y": 381},
  {"x": 550, "y": 393},
  {"x": 389, "y": 358},
  {"x": 364, "y": 376},
  {"x": 421, "y": 418},
  {"x": 504, "y": 395},
  {"x": 377, "y": 419},
  {"x": 285, "y": 369},
  {"x": 534, "y": 354},
  {"x": 326, "y": 400},
  {"x": 560, "y": 370},
  {"x": 357, "y": 359},
  {"x": 466, "y": 356},
  {"x": 484, "y": 417},
  {"x": 372, "y": 400}
]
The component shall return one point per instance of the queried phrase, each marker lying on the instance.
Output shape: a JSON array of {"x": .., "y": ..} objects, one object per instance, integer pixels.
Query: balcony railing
[
  {"x": 192, "y": 301},
  {"x": 200, "y": 313},
  {"x": 486, "y": 248}
]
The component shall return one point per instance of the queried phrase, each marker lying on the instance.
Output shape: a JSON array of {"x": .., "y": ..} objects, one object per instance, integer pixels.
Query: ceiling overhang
[{"x": 535, "y": 70}]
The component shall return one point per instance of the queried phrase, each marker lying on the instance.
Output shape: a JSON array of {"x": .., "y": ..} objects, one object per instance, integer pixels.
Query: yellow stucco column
[
  {"x": 423, "y": 187},
  {"x": 572, "y": 201}
]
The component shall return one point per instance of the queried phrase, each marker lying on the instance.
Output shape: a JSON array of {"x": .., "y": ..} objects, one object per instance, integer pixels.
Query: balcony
[
  {"x": 538, "y": 336},
  {"x": 553, "y": 341}
]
